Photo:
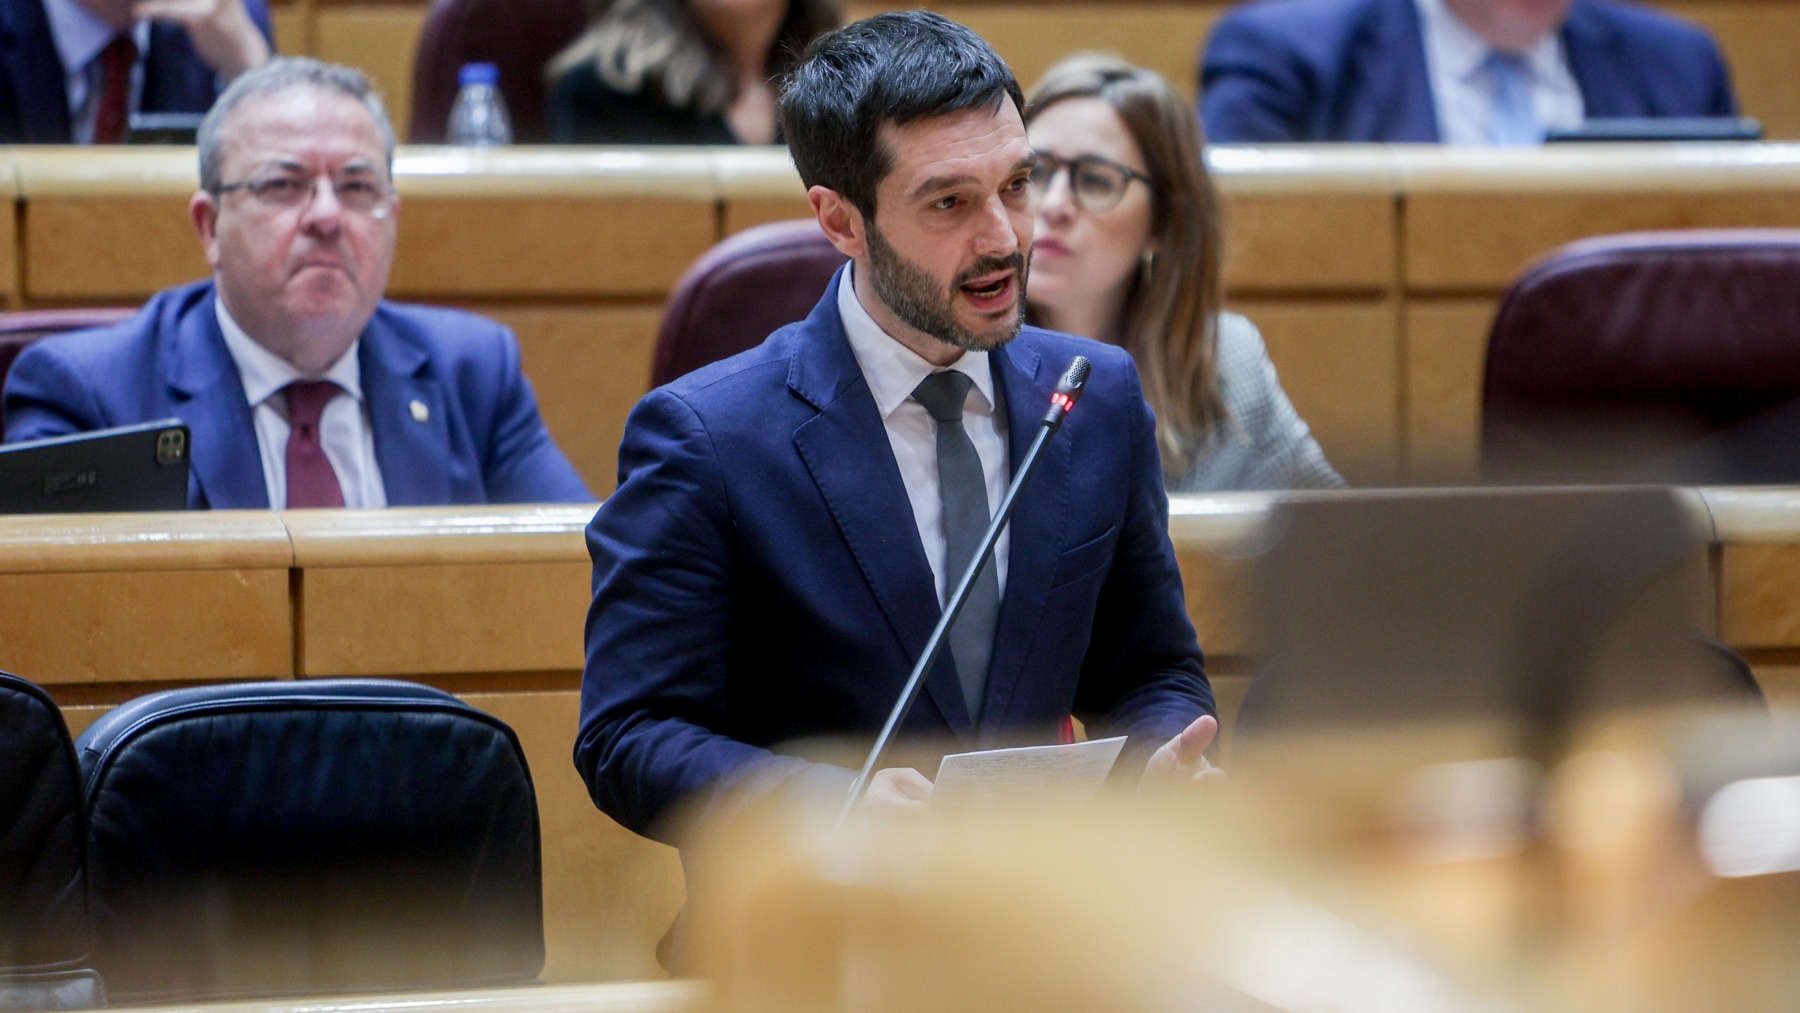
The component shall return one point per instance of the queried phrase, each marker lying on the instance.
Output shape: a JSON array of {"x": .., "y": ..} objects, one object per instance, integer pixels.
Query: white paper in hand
[{"x": 975, "y": 778}]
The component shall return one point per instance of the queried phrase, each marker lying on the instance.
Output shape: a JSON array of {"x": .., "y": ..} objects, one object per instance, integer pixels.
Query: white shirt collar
[
  {"x": 1463, "y": 51},
  {"x": 264, "y": 373},
  {"x": 892, "y": 369},
  {"x": 80, "y": 35}
]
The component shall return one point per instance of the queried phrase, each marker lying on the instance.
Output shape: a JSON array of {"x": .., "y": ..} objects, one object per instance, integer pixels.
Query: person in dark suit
[
  {"x": 680, "y": 71},
  {"x": 788, "y": 521},
  {"x": 67, "y": 66},
  {"x": 1456, "y": 71},
  {"x": 302, "y": 386}
]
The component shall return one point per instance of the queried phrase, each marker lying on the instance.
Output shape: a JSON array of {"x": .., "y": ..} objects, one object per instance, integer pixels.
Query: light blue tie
[{"x": 1514, "y": 122}]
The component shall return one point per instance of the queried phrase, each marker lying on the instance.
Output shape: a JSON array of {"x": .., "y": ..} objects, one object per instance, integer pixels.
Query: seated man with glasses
[{"x": 302, "y": 386}]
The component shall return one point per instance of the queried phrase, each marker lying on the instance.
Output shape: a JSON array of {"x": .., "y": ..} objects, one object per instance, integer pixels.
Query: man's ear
[
  {"x": 203, "y": 209},
  {"x": 841, "y": 220}
]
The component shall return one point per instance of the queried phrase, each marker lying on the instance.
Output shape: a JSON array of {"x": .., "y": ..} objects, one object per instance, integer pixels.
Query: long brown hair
[
  {"x": 659, "y": 45},
  {"x": 1172, "y": 311}
]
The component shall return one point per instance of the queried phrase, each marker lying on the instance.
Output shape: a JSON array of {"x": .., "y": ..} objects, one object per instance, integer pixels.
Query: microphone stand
[{"x": 1067, "y": 391}]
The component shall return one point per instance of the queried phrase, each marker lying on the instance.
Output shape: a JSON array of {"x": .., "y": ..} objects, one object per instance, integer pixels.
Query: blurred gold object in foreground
[{"x": 1396, "y": 871}]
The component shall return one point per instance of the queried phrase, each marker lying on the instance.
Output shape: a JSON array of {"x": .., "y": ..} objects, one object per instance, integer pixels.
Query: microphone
[{"x": 1068, "y": 391}]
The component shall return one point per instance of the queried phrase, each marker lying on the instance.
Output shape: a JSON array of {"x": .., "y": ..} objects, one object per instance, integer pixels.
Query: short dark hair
[{"x": 895, "y": 67}]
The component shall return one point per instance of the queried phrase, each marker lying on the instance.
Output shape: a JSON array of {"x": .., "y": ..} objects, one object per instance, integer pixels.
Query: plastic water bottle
[{"x": 478, "y": 119}]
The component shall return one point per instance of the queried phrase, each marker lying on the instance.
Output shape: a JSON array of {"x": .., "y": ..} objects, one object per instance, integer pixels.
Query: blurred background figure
[
  {"x": 1456, "y": 71},
  {"x": 73, "y": 71},
  {"x": 1127, "y": 250},
  {"x": 680, "y": 71}
]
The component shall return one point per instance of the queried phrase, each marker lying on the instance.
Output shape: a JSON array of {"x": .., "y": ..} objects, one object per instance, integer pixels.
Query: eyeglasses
[
  {"x": 365, "y": 195},
  {"x": 1097, "y": 184}
]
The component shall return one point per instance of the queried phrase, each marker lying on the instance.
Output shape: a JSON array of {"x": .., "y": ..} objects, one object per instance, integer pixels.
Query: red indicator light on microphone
[{"x": 1062, "y": 401}]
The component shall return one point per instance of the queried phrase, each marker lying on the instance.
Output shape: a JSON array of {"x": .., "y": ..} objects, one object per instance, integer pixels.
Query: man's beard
[{"x": 912, "y": 293}]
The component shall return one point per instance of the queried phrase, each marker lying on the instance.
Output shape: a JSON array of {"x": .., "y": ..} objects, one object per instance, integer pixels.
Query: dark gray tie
[{"x": 962, "y": 490}]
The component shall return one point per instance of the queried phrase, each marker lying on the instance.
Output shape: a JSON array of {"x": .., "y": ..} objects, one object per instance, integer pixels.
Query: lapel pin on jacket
[{"x": 420, "y": 412}]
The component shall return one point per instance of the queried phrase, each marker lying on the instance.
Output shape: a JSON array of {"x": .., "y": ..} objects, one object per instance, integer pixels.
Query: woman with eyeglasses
[{"x": 1127, "y": 251}]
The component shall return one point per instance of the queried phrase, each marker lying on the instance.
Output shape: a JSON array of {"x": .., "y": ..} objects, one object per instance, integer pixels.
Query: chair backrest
[
  {"x": 21, "y": 328},
  {"x": 520, "y": 36},
  {"x": 1648, "y": 355},
  {"x": 309, "y": 837},
  {"x": 739, "y": 291},
  {"x": 45, "y": 933}
]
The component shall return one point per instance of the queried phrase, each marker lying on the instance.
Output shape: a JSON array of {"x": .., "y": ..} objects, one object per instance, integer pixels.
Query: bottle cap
[{"x": 478, "y": 73}]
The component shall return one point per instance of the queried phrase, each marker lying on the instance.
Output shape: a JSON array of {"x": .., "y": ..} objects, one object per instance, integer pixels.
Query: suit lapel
[
  {"x": 1607, "y": 80},
  {"x": 209, "y": 396},
  {"x": 407, "y": 415},
  {"x": 845, "y": 448},
  {"x": 1392, "y": 62},
  {"x": 1036, "y": 527},
  {"x": 36, "y": 74}
]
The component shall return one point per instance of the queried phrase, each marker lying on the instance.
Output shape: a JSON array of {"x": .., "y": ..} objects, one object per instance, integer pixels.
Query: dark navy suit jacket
[
  {"x": 34, "y": 105},
  {"x": 481, "y": 439},
  {"x": 1354, "y": 70},
  {"x": 759, "y": 577}
]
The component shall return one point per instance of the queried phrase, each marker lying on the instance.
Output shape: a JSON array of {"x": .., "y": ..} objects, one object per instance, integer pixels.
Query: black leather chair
[
  {"x": 309, "y": 837},
  {"x": 45, "y": 934}
]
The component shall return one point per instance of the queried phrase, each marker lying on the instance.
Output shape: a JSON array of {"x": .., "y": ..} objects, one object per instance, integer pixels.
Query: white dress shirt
[
  {"x": 892, "y": 370},
  {"x": 344, "y": 430},
  {"x": 1464, "y": 93},
  {"x": 80, "y": 37}
]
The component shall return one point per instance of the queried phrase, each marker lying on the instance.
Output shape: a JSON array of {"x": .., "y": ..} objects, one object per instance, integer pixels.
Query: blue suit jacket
[
  {"x": 482, "y": 440},
  {"x": 34, "y": 105},
  {"x": 759, "y": 578},
  {"x": 1354, "y": 70}
]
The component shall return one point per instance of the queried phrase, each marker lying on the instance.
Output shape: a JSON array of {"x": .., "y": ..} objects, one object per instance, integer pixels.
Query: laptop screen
[{"x": 129, "y": 468}]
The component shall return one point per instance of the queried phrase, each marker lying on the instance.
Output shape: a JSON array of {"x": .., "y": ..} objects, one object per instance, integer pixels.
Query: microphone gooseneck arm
[{"x": 1068, "y": 391}]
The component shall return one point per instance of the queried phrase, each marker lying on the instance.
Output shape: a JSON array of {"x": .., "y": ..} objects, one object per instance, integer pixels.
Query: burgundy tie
[
  {"x": 115, "y": 90},
  {"x": 310, "y": 480}
]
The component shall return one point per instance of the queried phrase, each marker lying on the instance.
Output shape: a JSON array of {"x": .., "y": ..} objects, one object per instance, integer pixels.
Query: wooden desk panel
[
  {"x": 106, "y": 598},
  {"x": 609, "y": 895},
  {"x": 1446, "y": 354},
  {"x": 290, "y": 23},
  {"x": 1337, "y": 361},
  {"x": 757, "y": 186},
  {"x": 148, "y": 626},
  {"x": 93, "y": 250},
  {"x": 1482, "y": 242},
  {"x": 99, "y": 225},
  {"x": 439, "y": 591},
  {"x": 1473, "y": 220},
  {"x": 1758, "y": 39},
  {"x": 1329, "y": 242},
  {"x": 11, "y": 294},
  {"x": 633, "y": 247},
  {"x": 1759, "y": 595},
  {"x": 381, "y": 40},
  {"x": 589, "y": 367},
  {"x": 410, "y": 621}
]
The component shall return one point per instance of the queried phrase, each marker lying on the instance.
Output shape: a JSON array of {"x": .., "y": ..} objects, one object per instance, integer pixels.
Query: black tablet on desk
[{"x": 130, "y": 468}]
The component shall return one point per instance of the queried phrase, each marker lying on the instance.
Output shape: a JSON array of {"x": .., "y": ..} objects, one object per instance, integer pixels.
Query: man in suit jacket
[
  {"x": 53, "y": 56},
  {"x": 1359, "y": 70},
  {"x": 301, "y": 385},
  {"x": 776, "y": 554}
]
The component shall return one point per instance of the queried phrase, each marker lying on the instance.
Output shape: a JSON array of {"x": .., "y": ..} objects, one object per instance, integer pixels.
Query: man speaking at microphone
[{"x": 790, "y": 521}]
